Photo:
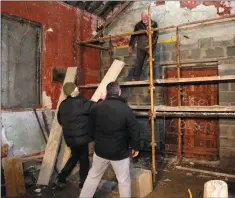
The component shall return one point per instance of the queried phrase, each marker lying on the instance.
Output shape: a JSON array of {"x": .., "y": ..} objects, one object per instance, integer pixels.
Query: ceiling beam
[
  {"x": 103, "y": 8},
  {"x": 122, "y": 7},
  {"x": 94, "y": 5}
]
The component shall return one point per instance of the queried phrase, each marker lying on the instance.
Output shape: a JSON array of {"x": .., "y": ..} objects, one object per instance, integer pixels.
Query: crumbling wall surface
[
  {"x": 58, "y": 22},
  {"x": 204, "y": 43},
  {"x": 23, "y": 130},
  {"x": 62, "y": 26}
]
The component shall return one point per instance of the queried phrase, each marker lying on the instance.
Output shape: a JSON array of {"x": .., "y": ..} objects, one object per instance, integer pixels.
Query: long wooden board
[
  {"x": 55, "y": 137},
  {"x": 14, "y": 177},
  {"x": 112, "y": 74},
  {"x": 171, "y": 81},
  {"x": 185, "y": 108}
]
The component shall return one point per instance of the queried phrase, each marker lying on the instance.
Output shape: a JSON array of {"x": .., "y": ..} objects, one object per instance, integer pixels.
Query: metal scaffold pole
[{"x": 151, "y": 87}]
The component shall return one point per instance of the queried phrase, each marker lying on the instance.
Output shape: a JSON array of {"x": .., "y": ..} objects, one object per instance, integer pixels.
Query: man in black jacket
[
  {"x": 115, "y": 128},
  {"x": 73, "y": 116},
  {"x": 142, "y": 44}
]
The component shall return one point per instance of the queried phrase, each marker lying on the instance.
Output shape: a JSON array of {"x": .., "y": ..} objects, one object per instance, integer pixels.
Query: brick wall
[{"x": 204, "y": 49}]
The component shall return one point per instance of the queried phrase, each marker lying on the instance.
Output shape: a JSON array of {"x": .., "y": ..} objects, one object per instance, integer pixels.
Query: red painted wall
[{"x": 66, "y": 23}]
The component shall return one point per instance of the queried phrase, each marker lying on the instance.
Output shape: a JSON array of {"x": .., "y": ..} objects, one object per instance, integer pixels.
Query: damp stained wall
[{"x": 62, "y": 26}]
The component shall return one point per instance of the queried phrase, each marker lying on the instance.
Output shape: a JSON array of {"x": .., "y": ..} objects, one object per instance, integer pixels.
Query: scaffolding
[{"x": 168, "y": 111}]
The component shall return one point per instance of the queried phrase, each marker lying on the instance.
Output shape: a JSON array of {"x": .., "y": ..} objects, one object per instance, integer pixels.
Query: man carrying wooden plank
[
  {"x": 73, "y": 117},
  {"x": 114, "y": 128}
]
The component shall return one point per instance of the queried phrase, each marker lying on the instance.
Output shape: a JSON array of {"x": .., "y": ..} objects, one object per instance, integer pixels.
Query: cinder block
[
  {"x": 223, "y": 43},
  {"x": 185, "y": 54},
  {"x": 137, "y": 90},
  {"x": 228, "y": 121},
  {"x": 226, "y": 69},
  {"x": 105, "y": 62},
  {"x": 189, "y": 44},
  {"x": 225, "y": 103},
  {"x": 225, "y": 142},
  {"x": 104, "y": 53},
  {"x": 195, "y": 53},
  {"x": 163, "y": 56},
  {"x": 141, "y": 182},
  {"x": 206, "y": 43},
  {"x": 232, "y": 86},
  {"x": 231, "y": 51},
  {"x": 227, "y": 152},
  {"x": 120, "y": 52},
  {"x": 140, "y": 99},
  {"x": 132, "y": 99},
  {"x": 224, "y": 87},
  {"x": 167, "y": 47},
  {"x": 129, "y": 60},
  {"x": 215, "y": 52},
  {"x": 227, "y": 96},
  {"x": 228, "y": 60}
]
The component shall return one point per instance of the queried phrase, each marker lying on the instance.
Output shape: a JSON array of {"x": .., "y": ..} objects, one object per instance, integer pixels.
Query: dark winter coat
[
  {"x": 114, "y": 127},
  {"x": 73, "y": 116},
  {"x": 142, "y": 39}
]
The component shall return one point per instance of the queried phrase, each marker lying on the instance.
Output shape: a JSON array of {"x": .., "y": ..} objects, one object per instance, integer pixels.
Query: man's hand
[
  {"x": 102, "y": 96},
  {"x": 134, "y": 153},
  {"x": 130, "y": 50}
]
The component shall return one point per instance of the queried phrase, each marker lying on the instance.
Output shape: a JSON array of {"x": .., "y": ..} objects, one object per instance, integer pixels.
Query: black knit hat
[{"x": 68, "y": 88}]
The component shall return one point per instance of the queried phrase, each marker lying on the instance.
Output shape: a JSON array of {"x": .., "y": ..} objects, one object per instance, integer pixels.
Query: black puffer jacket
[
  {"x": 114, "y": 128},
  {"x": 73, "y": 116}
]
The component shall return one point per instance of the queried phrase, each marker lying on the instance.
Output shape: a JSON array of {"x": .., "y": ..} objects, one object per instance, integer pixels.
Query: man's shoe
[{"x": 60, "y": 184}]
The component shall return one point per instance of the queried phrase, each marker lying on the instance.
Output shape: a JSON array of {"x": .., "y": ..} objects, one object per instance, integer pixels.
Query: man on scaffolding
[{"x": 142, "y": 44}]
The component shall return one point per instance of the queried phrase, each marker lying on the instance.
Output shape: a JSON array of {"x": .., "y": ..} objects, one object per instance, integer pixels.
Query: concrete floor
[{"x": 170, "y": 183}]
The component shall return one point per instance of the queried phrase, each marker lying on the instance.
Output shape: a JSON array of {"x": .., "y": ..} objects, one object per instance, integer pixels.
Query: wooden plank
[
  {"x": 19, "y": 175},
  {"x": 110, "y": 76},
  {"x": 10, "y": 178},
  {"x": 55, "y": 137},
  {"x": 172, "y": 81},
  {"x": 31, "y": 158},
  {"x": 63, "y": 155},
  {"x": 186, "y": 108},
  {"x": 14, "y": 177}
]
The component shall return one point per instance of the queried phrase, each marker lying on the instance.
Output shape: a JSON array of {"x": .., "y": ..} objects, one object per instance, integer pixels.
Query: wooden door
[{"x": 200, "y": 136}]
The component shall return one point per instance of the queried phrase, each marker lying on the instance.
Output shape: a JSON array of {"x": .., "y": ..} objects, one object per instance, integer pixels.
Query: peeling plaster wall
[
  {"x": 62, "y": 26},
  {"x": 22, "y": 128}
]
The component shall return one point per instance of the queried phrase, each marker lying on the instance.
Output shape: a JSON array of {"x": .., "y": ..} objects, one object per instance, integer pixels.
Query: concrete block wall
[
  {"x": 227, "y": 98},
  {"x": 205, "y": 49}
]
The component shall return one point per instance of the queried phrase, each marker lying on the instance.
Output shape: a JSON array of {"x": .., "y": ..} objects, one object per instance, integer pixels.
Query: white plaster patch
[
  {"x": 46, "y": 101},
  {"x": 23, "y": 130},
  {"x": 50, "y": 30}
]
